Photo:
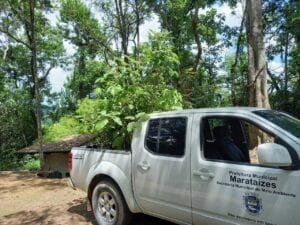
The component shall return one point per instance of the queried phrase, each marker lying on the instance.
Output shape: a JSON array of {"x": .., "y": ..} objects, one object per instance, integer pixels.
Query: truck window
[
  {"x": 166, "y": 136},
  {"x": 233, "y": 139}
]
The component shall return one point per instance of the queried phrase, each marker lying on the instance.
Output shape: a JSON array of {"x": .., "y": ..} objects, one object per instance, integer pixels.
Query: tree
[
  {"x": 128, "y": 91},
  {"x": 17, "y": 124},
  {"x": 30, "y": 29},
  {"x": 237, "y": 68},
  {"x": 294, "y": 63},
  {"x": 31, "y": 35},
  {"x": 84, "y": 32},
  {"x": 190, "y": 30},
  {"x": 26, "y": 28},
  {"x": 281, "y": 28},
  {"x": 122, "y": 20},
  {"x": 257, "y": 72},
  {"x": 69, "y": 95}
]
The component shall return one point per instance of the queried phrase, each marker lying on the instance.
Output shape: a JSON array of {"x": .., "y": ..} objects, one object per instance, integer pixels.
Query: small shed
[{"x": 56, "y": 154}]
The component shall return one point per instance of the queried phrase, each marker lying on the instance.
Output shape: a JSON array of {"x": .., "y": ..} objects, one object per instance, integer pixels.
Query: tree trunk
[
  {"x": 81, "y": 71},
  {"x": 137, "y": 15},
  {"x": 32, "y": 41},
  {"x": 286, "y": 76},
  {"x": 196, "y": 38},
  {"x": 123, "y": 30},
  {"x": 257, "y": 71},
  {"x": 233, "y": 70}
]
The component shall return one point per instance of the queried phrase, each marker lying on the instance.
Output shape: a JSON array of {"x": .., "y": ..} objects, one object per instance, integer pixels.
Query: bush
[
  {"x": 8, "y": 160},
  {"x": 17, "y": 127},
  {"x": 66, "y": 126},
  {"x": 31, "y": 163}
]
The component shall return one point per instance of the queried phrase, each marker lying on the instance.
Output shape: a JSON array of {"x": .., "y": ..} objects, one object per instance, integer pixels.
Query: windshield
[{"x": 286, "y": 122}]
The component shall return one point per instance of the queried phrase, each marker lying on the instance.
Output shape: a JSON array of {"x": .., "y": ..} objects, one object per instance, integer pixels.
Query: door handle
[
  {"x": 204, "y": 174},
  {"x": 144, "y": 166}
]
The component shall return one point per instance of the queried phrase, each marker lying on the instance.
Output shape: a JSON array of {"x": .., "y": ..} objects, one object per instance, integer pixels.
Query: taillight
[{"x": 70, "y": 156}]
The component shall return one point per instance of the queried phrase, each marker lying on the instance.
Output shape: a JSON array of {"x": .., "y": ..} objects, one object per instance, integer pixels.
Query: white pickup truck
[{"x": 200, "y": 166}]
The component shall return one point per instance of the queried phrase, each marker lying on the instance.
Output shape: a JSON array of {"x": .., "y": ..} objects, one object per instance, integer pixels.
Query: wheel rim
[{"x": 107, "y": 207}]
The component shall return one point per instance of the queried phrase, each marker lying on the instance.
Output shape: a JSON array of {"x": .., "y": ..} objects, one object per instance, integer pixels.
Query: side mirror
[{"x": 272, "y": 154}]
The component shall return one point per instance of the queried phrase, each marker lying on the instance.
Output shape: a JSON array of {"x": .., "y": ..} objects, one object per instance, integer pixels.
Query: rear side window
[{"x": 166, "y": 136}]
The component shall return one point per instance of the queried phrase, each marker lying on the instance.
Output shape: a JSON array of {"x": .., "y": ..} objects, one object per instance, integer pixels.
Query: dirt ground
[{"x": 27, "y": 199}]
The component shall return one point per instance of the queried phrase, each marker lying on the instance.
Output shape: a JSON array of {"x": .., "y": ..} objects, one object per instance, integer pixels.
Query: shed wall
[{"x": 57, "y": 162}]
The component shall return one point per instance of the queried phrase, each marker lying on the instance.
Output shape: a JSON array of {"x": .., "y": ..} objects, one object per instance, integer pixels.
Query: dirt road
[{"x": 26, "y": 199}]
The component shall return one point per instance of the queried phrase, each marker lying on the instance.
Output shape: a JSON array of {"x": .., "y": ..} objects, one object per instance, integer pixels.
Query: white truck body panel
[
  {"x": 192, "y": 189},
  {"x": 219, "y": 198},
  {"x": 163, "y": 187},
  {"x": 87, "y": 163}
]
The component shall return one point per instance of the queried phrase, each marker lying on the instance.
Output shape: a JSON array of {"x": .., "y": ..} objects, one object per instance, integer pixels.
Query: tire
[{"x": 109, "y": 205}]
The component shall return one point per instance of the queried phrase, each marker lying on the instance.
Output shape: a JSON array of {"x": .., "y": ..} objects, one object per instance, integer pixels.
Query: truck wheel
[{"x": 109, "y": 205}]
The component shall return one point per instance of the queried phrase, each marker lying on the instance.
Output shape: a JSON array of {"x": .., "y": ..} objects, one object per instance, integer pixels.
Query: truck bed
[{"x": 87, "y": 160}]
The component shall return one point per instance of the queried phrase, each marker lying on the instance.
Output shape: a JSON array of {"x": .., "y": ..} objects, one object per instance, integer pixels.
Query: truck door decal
[{"x": 252, "y": 203}]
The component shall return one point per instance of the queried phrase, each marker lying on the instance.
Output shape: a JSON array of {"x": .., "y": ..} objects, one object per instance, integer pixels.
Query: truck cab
[
  {"x": 182, "y": 171},
  {"x": 213, "y": 166}
]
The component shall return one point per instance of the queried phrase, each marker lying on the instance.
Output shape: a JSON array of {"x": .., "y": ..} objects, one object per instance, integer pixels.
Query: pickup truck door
[
  {"x": 226, "y": 192},
  {"x": 161, "y": 168}
]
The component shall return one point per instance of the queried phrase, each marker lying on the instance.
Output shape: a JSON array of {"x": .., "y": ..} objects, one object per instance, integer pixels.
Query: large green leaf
[
  {"x": 142, "y": 116},
  {"x": 100, "y": 125},
  {"x": 131, "y": 126},
  {"x": 117, "y": 120}
]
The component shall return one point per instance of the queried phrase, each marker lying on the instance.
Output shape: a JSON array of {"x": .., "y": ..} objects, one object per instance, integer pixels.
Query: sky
[{"x": 58, "y": 76}]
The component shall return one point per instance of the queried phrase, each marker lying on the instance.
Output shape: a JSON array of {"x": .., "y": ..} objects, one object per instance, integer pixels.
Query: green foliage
[
  {"x": 82, "y": 85},
  {"x": 92, "y": 114},
  {"x": 8, "y": 160},
  {"x": 190, "y": 30},
  {"x": 85, "y": 33},
  {"x": 282, "y": 25},
  {"x": 14, "y": 23},
  {"x": 204, "y": 93},
  {"x": 236, "y": 81},
  {"x": 17, "y": 95},
  {"x": 123, "y": 92},
  {"x": 130, "y": 90},
  {"x": 17, "y": 125},
  {"x": 31, "y": 163},
  {"x": 66, "y": 126},
  {"x": 79, "y": 27},
  {"x": 159, "y": 59},
  {"x": 121, "y": 22}
]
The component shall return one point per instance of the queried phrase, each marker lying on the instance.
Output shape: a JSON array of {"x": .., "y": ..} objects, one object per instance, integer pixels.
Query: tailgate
[{"x": 77, "y": 173}]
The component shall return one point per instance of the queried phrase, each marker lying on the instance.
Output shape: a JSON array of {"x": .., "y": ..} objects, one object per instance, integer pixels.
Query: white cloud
[
  {"x": 233, "y": 17},
  {"x": 57, "y": 77},
  {"x": 152, "y": 24},
  {"x": 53, "y": 17},
  {"x": 69, "y": 47},
  {"x": 276, "y": 67},
  {"x": 232, "y": 20}
]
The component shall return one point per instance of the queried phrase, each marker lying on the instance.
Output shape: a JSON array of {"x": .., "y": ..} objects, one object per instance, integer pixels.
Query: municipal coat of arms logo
[{"x": 252, "y": 203}]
